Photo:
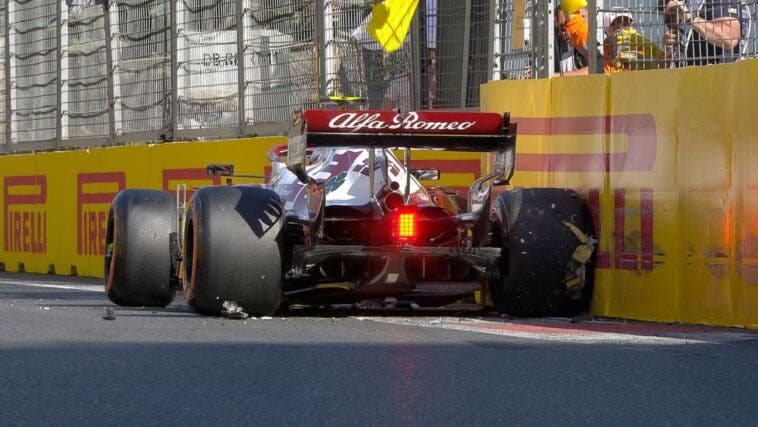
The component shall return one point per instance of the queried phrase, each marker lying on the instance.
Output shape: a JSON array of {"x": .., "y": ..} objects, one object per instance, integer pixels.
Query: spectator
[
  {"x": 571, "y": 54},
  {"x": 568, "y": 60},
  {"x": 624, "y": 49},
  {"x": 704, "y": 31}
]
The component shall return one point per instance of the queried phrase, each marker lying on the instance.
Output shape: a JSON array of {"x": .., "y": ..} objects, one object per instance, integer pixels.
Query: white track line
[
  {"x": 584, "y": 337},
  {"x": 53, "y": 285}
]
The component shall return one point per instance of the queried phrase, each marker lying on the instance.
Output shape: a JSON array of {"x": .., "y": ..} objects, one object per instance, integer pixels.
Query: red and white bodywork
[{"x": 356, "y": 214}]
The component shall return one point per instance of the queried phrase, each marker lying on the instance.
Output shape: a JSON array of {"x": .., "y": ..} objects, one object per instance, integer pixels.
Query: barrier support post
[
  {"x": 109, "y": 72},
  {"x": 59, "y": 74},
  {"x": 7, "y": 100},
  {"x": 241, "y": 66},
  {"x": 174, "y": 69}
]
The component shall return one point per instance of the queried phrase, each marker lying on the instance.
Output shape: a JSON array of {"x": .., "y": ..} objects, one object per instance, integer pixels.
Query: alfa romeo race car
[{"x": 344, "y": 220}]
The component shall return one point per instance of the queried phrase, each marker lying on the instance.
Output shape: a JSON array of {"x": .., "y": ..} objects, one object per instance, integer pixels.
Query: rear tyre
[
  {"x": 233, "y": 250},
  {"x": 138, "y": 264},
  {"x": 541, "y": 276}
]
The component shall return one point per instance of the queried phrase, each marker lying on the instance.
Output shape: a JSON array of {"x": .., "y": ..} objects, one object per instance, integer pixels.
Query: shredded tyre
[{"x": 547, "y": 264}]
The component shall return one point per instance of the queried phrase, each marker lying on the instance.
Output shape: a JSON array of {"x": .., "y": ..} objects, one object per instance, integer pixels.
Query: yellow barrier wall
[
  {"x": 666, "y": 159},
  {"x": 55, "y": 205}
]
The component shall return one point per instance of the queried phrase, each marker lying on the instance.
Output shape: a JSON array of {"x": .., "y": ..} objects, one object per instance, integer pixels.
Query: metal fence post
[
  {"x": 416, "y": 57},
  {"x": 7, "y": 100},
  {"x": 321, "y": 46},
  {"x": 542, "y": 28},
  {"x": 59, "y": 75},
  {"x": 241, "y": 66},
  {"x": 465, "y": 55},
  {"x": 551, "y": 43},
  {"x": 174, "y": 68},
  {"x": 592, "y": 38},
  {"x": 109, "y": 72},
  {"x": 491, "y": 41}
]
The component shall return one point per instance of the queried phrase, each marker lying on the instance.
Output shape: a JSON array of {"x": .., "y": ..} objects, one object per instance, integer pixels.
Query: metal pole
[
  {"x": 416, "y": 57},
  {"x": 7, "y": 100},
  {"x": 321, "y": 46},
  {"x": 241, "y": 65},
  {"x": 466, "y": 59},
  {"x": 174, "y": 70},
  {"x": 551, "y": 43},
  {"x": 495, "y": 75},
  {"x": 109, "y": 72},
  {"x": 592, "y": 37},
  {"x": 59, "y": 74}
]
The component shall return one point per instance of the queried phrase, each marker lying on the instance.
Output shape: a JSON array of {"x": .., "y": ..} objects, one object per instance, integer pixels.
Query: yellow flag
[{"x": 390, "y": 21}]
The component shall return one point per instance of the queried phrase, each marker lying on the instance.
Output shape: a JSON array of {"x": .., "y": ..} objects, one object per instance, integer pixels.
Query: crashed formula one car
[{"x": 343, "y": 220}]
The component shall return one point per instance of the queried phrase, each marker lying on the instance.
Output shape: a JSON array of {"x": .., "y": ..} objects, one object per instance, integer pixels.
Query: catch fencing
[
  {"x": 527, "y": 36},
  {"x": 82, "y": 73}
]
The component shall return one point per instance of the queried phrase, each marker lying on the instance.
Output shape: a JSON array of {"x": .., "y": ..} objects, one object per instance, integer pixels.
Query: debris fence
[{"x": 83, "y": 73}]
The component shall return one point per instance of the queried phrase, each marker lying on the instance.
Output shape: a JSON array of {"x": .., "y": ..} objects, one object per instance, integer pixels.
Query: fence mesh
[
  {"x": 634, "y": 34},
  {"x": 84, "y": 73},
  {"x": 207, "y": 89},
  {"x": 292, "y": 53},
  {"x": 34, "y": 69},
  {"x": 141, "y": 31},
  {"x": 356, "y": 65},
  {"x": 454, "y": 50},
  {"x": 512, "y": 39},
  {"x": 630, "y": 35},
  {"x": 281, "y": 59}
]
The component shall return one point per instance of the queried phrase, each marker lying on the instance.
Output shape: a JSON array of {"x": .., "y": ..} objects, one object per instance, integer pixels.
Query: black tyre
[
  {"x": 233, "y": 250},
  {"x": 138, "y": 265},
  {"x": 541, "y": 228}
]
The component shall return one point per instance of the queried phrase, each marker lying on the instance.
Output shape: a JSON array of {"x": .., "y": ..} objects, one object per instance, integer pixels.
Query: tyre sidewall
[
  {"x": 235, "y": 250},
  {"x": 138, "y": 256}
]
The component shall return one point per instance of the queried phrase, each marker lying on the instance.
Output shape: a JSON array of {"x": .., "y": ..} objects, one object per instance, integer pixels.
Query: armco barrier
[
  {"x": 666, "y": 160},
  {"x": 55, "y": 205}
]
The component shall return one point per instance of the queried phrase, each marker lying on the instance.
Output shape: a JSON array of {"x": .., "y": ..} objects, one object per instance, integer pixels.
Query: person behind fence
[
  {"x": 571, "y": 29},
  {"x": 701, "y": 32},
  {"x": 624, "y": 48}
]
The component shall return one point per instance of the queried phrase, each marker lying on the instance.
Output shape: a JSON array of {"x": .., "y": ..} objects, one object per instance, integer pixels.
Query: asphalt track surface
[{"x": 61, "y": 363}]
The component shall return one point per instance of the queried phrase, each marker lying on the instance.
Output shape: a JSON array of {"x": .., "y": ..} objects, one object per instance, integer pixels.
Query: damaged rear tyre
[
  {"x": 233, "y": 241},
  {"x": 547, "y": 263},
  {"x": 138, "y": 264}
]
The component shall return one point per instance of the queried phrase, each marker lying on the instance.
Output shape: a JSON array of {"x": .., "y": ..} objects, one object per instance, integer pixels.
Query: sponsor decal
[
  {"x": 220, "y": 59},
  {"x": 390, "y": 122},
  {"x": 94, "y": 194},
  {"x": 25, "y": 214},
  {"x": 355, "y": 122},
  {"x": 639, "y": 157},
  {"x": 630, "y": 251}
]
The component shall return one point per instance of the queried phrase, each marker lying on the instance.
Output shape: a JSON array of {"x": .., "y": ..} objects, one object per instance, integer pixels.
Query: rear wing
[{"x": 430, "y": 130}]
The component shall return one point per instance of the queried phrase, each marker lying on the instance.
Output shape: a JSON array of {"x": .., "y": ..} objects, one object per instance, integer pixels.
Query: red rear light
[{"x": 405, "y": 227}]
